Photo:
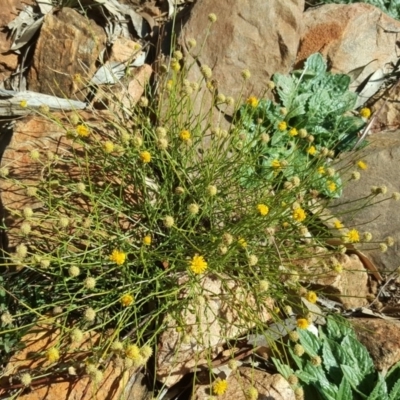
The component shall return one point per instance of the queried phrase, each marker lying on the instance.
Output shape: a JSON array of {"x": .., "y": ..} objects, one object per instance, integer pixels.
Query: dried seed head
[
  {"x": 89, "y": 283},
  {"x": 212, "y": 17},
  {"x": 26, "y": 379},
  {"x": 22, "y": 251},
  {"x": 169, "y": 221},
  {"x": 193, "y": 209},
  {"x": 74, "y": 271},
  {"x": 90, "y": 314}
]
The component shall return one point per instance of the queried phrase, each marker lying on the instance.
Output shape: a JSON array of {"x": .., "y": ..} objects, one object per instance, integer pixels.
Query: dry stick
[{"x": 371, "y": 123}]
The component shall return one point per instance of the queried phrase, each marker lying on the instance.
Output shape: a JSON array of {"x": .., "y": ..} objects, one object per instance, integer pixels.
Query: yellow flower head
[
  {"x": 108, "y": 146},
  {"x": 147, "y": 240},
  {"x": 126, "y": 300},
  {"x": 82, "y": 130},
  {"x": 145, "y": 157},
  {"x": 118, "y": 257},
  {"x": 282, "y": 126},
  {"x": 353, "y": 236},
  {"x": 311, "y": 150},
  {"x": 338, "y": 225},
  {"x": 133, "y": 352},
  {"x": 220, "y": 386},
  {"x": 252, "y": 101},
  {"x": 198, "y": 264},
  {"x": 299, "y": 214},
  {"x": 311, "y": 297},
  {"x": 276, "y": 164},
  {"x": 362, "y": 164},
  {"x": 302, "y": 323},
  {"x": 52, "y": 355},
  {"x": 365, "y": 112},
  {"x": 262, "y": 209},
  {"x": 293, "y": 132},
  {"x": 185, "y": 135},
  {"x": 242, "y": 242},
  {"x": 331, "y": 186},
  {"x": 23, "y": 104},
  {"x": 321, "y": 170}
]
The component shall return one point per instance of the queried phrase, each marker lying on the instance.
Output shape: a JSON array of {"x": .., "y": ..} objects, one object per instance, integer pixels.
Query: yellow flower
[
  {"x": 82, "y": 130},
  {"x": 126, "y": 300},
  {"x": 338, "y": 225},
  {"x": 276, "y": 164},
  {"x": 362, "y": 164},
  {"x": 242, "y": 242},
  {"x": 23, "y": 104},
  {"x": 198, "y": 265},
  {"x": 52, "y": 355},
  {"x": 365, "y": 112},
  {"x": 108, "y": 146},
  {"x": 353, "y": 236},
  {"x": 311, "y": 150},
  {"x": 299, "y": 214},
  {"x": 312, "y": 297},
  {"x": 220, "y": 386},
  {"x": 170, "y": 84},
  {"x": 185, "y": 135},
  {"x": 118, "y": 257},
  {"x": 133, "y": 352},
  {"x": 262, "y": 209},
  {"x": 293, "y": 132},
  {"x": 321, "y": 170},
  {"x": 302, "y": 323},
  {"x": 147, "y": 240},
  {"x": 282, "y": 125},
  {"x": 331, "y": 186},
  {"x": 252, "y": 101},
  {"x": 145, "y": 156}
]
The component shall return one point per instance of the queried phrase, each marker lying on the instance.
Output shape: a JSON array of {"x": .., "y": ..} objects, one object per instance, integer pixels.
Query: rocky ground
[{"x": 265, "y": 37}]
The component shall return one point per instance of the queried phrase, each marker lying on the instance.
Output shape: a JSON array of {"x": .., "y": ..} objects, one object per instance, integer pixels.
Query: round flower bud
[
  {"x": 389, "y": 241},
  {"x": 26, "y": 379},
  {"x": 74, "y": 271},
  {"x": 294, "y": 336},
  {"x": 178, "y": 55},
  {"x": 4, "y": 172},
  {"x": 263, "y": 285},
  {"x": 233, "y": 365},
  {"x": 212, "y": 17},
  {"x": 355, "y": 175},
  {"x": 34, "y": 155},
  {"x": 330, "y": 171},
  {"x": 316, "y": 361},
  {"x": 299, "y": 393},
  {"x": 90, "y": 314},
  {"x": 161, "y": 132},
  {"x": 251, "y": 393},
  {"x": 117, "y": 346},
  {"x": 192, "y": 43},
  {"x": 31, "y": 191},
  {"x": 367, "y": 236},
  {"x": 74, "y": 119},
  {"x": 179, "y": 190},
  {"x": 220, "y": 98},
  {"x": 80, "y": 187},
  {"x": 303, "y": 133},
  {"x": 162, "y": 144},
  {"x": 206, "y": 71},
  {"x": 89, "y": 283},
  {"x": 293, "y": 380},
  {"x": 271, "y": 85},
  {"x": 227, "y": 238},
  {"x": 63, "y": 222},
  {"x": 396, "y": 196},
  {"x": 22, "y": 251},
  {"x": 76, "y": 335},
  {"x": 168, "y": 222},
  {"x": 146, "y": 352},
  {"x": 298, "y": 350},
  {"x": 222, "y": 250},
  {"x": 137, "y": 141},
  {"x": 383, "y": 247},
  {"x": 143, "y": 102},
  {"x": 6, "y": 318},
  {"x": 44, "y": 263},
  {"x": 265, "y": 138},
  {"x": 252, "y": 260},
  {"x": 211, "y": 190},
  {"x": 245, "y": 74},
  {"x": 108, "y": 146},
  {"x": 25, "y": 228},
  {"x": 230, "y": 101},
  {"x": 193, "y": 209}
]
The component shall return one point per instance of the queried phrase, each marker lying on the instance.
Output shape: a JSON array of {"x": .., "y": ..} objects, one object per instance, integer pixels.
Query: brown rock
[
  {"x": 32, "y": 133},
  {"x": 268, "y": 386},
  {"x": 213, "y": 323},
  {"x": 62, "y": 385},
  {"x": 124, "y": 50},
  {"x": 349, "y": 36},
  {"x": 68, "y": 44},
  {"x": 383, "y": 219},
  {"x": 8, "y": 60},
  {"x": 260, "y": 36},
  {"x": 381, "y": 338}
]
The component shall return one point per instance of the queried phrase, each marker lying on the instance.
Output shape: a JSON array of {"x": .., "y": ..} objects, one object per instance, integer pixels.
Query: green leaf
[
  {"x": 338, "y": 328},
  {"x": 380, "y": 390},
  {"x": 286, "y": 87},
  {"x": 282, "y": 368},
  {"x": 393, "y": 376},
  {"x": 330, "y": 363},
  {"x": 352, "y": 375},
  {"x": 324, "y": 386},
  {"x": 344, "y": 392},
  {"x": 306, "y": 377},
  {"x": 315, "y": 63},
  {"x": 359, "y": 354},
  {"x": 394, "y": 392},
  {"x": 309, "y": 341}
]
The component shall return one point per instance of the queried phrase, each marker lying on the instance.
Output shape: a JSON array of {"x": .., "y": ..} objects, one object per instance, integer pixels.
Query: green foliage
[
  {"x": 337, "y": 366},
  {"x": 311, "y": 119}
]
